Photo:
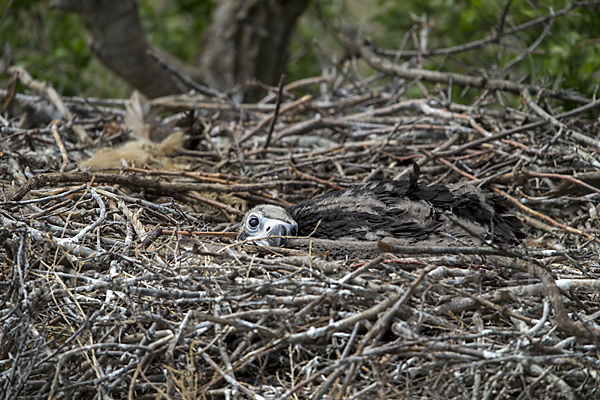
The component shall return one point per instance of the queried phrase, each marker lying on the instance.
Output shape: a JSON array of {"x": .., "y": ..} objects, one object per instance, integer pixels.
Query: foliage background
[{"x": 52, "y": 46}]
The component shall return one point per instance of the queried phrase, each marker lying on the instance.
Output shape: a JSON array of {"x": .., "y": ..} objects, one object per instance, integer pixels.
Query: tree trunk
[
  {"x": 247, "y": 39},
  {"x": 118, "y": 40}
]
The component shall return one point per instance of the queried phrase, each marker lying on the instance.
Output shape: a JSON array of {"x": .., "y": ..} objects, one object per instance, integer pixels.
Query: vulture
[{"x": 350, "y": 222}]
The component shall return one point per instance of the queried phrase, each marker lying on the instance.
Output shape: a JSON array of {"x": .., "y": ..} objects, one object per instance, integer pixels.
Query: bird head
[{"x": 267, "y": 223}]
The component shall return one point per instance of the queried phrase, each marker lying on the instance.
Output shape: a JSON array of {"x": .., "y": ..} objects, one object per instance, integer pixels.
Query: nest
[{"x": 127, "y": 282}]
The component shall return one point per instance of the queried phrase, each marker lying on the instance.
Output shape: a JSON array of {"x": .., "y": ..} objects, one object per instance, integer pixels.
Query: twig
[
  {"x": 494, "y": 37},
  {"x": 61, "y": 146},
  {"x": 501, "y": 135},
  {"x": 545, "y": 217},
  {"x": 275, "y": 113},
  {"x": 525, "y": 208},
  {"x": 368, "y": 52},
  {"x": 137, "y": 182},
  {"x": 186, "y": 79},
  {"x": 54, "y": 98}
]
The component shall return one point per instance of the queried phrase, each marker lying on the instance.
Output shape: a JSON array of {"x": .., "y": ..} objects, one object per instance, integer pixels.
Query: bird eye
[{"x": 253, "y": 222}]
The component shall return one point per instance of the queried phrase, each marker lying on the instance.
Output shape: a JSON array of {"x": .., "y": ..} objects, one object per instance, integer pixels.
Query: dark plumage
[{"x": 402, "y": 210}]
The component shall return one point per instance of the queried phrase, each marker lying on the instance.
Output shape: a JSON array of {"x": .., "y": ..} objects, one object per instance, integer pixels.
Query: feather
[
  {"x": 405, "y": 209},
  {"x": 351, "y": 221}
]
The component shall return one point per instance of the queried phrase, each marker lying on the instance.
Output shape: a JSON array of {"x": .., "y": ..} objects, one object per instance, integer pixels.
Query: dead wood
[
  {"x": 367, "y": 51},
  {"x": 140, "y": 183},
  {"x": 129, "y": 283}
]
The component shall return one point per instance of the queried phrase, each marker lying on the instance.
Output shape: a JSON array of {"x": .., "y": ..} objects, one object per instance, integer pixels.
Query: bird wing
[
  {"x": 405, "y": 209},
  {"x": 370, "y": 212}
]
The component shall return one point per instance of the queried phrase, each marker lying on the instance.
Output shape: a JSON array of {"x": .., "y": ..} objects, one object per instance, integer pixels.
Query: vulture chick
[{"x": 351, "y": 221}]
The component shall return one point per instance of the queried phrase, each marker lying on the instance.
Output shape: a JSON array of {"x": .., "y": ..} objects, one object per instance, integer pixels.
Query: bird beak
[
  {"x": 271, "y": 233},
  {"x": 278, "y": 230}
]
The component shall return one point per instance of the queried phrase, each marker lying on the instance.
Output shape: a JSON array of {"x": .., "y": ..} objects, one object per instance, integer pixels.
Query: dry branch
[{"x": 128, "y": 283}]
